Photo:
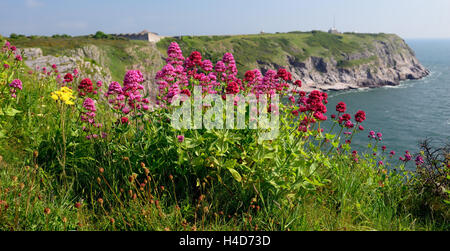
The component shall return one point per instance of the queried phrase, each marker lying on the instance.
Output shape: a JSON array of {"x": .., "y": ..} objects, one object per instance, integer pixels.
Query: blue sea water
[{"x": 410, "y": 112}]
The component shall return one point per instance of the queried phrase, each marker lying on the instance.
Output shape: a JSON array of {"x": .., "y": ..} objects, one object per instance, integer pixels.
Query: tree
[{"x": 100, "y": 35}]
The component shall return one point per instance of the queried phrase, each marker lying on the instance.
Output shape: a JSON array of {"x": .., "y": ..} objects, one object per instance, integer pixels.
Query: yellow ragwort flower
[{"x": 65, "y": 95}]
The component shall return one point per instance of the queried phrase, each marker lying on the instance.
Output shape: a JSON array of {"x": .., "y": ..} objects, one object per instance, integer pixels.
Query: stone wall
[{"x": 148, "y": 36}]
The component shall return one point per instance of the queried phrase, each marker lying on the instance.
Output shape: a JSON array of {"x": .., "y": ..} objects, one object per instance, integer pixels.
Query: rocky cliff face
[
  {"x": 84, "y": 59},
  {"x": 384, "y": 63},
  {"x": 98, "y": 63}
]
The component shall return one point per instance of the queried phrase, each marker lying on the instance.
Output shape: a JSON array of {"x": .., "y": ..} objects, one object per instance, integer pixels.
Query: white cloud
[{"x": 33, "y": 3}]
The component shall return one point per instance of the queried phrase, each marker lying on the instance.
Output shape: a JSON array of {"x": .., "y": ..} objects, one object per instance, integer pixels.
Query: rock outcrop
[
  {"x": 385, "y": 63},
  {"x": 83, "y": 59}
]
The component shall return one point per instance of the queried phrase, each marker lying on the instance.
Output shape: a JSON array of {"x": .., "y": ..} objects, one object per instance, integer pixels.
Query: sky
[{"x": 407, "y": 18}]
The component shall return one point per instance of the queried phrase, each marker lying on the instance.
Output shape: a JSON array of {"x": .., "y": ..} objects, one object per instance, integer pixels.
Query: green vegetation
[{"x": 141, "y": 176}]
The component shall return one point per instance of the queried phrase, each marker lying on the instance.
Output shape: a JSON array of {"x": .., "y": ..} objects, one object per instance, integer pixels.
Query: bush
[{"x": 432, "y": 180}]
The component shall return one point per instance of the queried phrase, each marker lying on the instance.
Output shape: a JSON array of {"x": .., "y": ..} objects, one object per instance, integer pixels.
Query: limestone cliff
[{"x": 386, "y": 63}]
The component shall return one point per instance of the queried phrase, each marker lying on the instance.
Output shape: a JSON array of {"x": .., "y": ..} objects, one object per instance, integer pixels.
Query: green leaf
[
  {"x": 11, "y": 112},
  {"x": 235, "y": 174},
  {"x": 11, "y": 77},
  {"x": 330, "y": 136},
  {"x": 335, "y": 144},
  {"x": 2, "y": 134}
]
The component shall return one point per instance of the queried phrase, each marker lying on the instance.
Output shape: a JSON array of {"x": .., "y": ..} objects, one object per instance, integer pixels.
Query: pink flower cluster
[
  {"x": 128, "y": 98},
  {"x": 313, "y": 106},
  {"x": 15, "y": 85},
  {"x": 89, "y": 114},
  {"x": 181, "y": 74},
  {"x": 8, "y": 48},
  {"x": 407, "y": 157},
  {"x": 377, "y": 136},
  {"x": 86, "y": 87}
]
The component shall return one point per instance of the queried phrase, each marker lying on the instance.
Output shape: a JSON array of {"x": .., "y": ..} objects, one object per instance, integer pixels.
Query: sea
[{"x": 409, "y": 113}]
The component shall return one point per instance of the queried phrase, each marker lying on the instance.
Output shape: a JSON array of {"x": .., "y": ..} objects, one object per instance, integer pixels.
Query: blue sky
[{"x": 408, "y": 18}]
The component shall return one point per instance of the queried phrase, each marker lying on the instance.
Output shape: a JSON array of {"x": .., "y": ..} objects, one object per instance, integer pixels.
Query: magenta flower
[
  {"x": 419, "y": 160},
  {"x": 180, "y": 138},
  {"x": 89, "y": 114},
  {"x": 15, "y": 85},
  {"x": 341, "y": 107},
  {"x": 89, "y": 105},
  {"x": 220, "y": 66},
  {"x": 132, "y": 81},
  {"x": 349, "y": 124},
  {"x": 408, "y": 156},
  {"x": 360, "y": 116},
  {"x": 207, "y": 65},
  {"x": 175, "y": 55}
]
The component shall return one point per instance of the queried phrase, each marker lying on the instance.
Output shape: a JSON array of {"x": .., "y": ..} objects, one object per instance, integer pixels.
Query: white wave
[{"x": 344, "y": 92}]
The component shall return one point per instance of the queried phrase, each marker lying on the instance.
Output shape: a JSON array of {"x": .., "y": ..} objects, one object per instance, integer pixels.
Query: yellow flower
[{"x": 65, "y": 95}]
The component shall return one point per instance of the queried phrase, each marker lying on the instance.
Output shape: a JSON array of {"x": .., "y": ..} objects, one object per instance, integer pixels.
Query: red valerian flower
[
  {"x": 346, "y": 117},
  {"x": 186, "y": 92},
  {"x": 298, "y": 83},
  {"x": 341, "y": 107},
  {"x": 85, "y": 87},
  {"x": 284, "y": 74},
  {"x": 325, "y": 97},
  {"x": 320, "y": 116},
  {"x": 232, "y": 88},
  {"x": 360, "y": 116},
  {"x": 124, "y": 120},
  {"x": 68, "y": 78},
  {"x": 349, "y": 124},
  {"x": 196, "y": 58},
  {"x": 249, "y": 76}
]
